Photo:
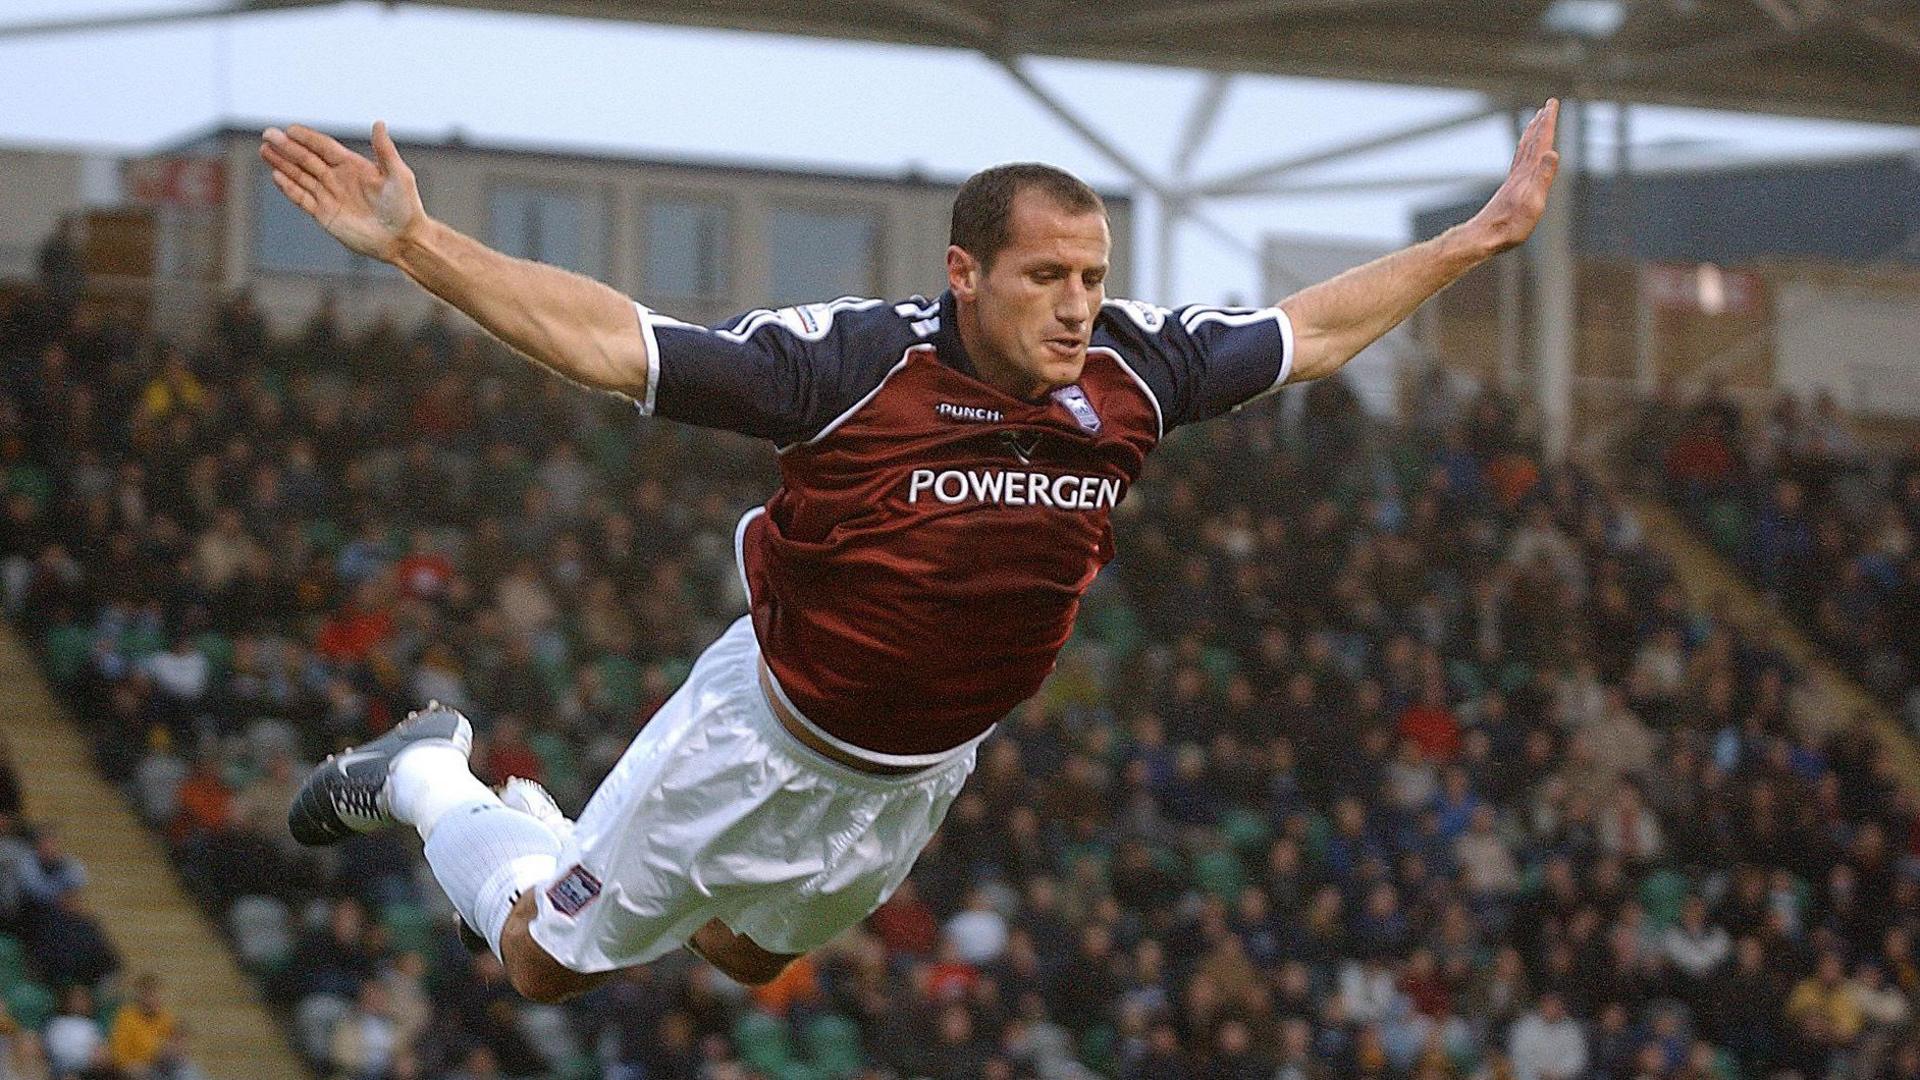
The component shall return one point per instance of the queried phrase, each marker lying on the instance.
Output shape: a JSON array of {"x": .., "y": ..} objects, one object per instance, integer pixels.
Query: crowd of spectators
[
  {"x": 66, "y": 1010},
  {"x": 1794, "y": 498},
  {"x": 1378, "y": 753}
]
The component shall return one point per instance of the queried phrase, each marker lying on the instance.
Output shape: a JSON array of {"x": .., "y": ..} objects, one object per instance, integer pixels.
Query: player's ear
[{"x": 963, "y": 273}]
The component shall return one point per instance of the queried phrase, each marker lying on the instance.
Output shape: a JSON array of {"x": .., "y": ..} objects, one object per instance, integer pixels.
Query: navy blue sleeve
[
  {"x": 774, "y": 374},
  {"x": 1199, "y": 362}
]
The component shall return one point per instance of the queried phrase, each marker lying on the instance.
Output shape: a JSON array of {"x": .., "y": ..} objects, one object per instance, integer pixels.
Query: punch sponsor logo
[
  {"x": 1014, "y": 488},
  {"x": 969, "y": 412}
]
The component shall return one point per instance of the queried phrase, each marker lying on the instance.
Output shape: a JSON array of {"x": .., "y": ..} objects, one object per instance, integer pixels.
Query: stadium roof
[
  {"x": 1840, "y": 59},
  {"x": 1843, "y": 59}
]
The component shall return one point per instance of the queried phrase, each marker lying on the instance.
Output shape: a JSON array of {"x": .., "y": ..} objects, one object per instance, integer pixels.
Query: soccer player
[{"x": 948, "y": 469}]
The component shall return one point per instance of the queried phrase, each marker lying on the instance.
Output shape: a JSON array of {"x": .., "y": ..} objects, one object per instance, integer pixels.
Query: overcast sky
[{"x": 675, "y": 92}]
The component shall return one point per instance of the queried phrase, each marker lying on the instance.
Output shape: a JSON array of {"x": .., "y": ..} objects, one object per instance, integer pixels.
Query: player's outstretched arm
[
  {"x": 572, "y": 324},
  {"x": 1337, "y": 318}
]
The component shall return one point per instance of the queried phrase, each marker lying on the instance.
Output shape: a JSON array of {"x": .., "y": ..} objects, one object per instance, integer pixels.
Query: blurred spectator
[
  {"x": 76, "y": 1047},
  {"x": 1547, "y": 1044},
  {"x": 142, "y": 1030},
  {"x": 366, "y": 1039},
  {"x": 50, "y": 874}
]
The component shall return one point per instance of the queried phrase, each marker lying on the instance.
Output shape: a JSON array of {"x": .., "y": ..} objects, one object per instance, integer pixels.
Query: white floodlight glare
[{"x": 1593, "y": 20}]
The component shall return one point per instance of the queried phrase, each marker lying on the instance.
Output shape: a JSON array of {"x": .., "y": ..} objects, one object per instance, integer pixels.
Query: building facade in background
[
  {"x": 699, "y": 241},
  {"x": 1796, "y": 276}
]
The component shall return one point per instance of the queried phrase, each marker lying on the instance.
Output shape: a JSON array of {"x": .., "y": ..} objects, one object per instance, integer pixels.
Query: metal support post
[
  {"x": 1166, "y": 245},
  {"x": 1627, "y": 218},
  {"x": 1556, "y": 310},
  {"x": 1508, "y": 311}
]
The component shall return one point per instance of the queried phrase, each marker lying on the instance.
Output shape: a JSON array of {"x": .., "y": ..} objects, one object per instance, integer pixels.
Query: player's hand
[
  {"x": 367, "y": 205},
  {"x": 1509, "y": 217}
]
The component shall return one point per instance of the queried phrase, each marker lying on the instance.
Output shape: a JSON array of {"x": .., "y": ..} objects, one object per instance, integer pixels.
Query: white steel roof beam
[
  {"x": 1250, "y": 180},
  {"x": 1016, "y": 68},
  {"x": 1200, "y": 123}
]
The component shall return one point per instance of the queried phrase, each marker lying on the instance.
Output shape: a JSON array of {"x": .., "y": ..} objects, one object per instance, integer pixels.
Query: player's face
[{"x": 1026, "y": 318}]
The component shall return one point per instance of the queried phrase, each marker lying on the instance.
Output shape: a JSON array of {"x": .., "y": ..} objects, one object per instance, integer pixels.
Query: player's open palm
[
  {"x": 366, "y": 205},
  {"x": 1516, "y": 207}
]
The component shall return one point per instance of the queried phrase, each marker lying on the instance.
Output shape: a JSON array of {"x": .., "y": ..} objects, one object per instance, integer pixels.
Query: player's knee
[
  {"x": 533, "y": 973},
  {"x": 737, "y": 956},
  {"x": 547, "y": 986}
]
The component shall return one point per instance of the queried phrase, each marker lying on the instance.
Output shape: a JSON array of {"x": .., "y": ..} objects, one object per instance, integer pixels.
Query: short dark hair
[{"x": 983, "y": 208}]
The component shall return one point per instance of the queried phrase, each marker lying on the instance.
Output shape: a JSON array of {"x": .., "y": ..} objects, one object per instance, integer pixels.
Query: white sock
[
  {"x": 485, "y": 854},
  {"x": 427, "y": 780}
]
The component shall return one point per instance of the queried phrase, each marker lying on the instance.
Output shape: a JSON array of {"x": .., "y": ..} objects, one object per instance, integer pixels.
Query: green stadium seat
[
  {"x": 1663, "y": 894},
  {"x": 218, "y": 648},
  {"x": 1115, "y": 625},
  {"x": 762, "y": 1042},
  {"x": 608, "y": 448},
  {"x": 555, "y": 671},
  {"x": 138, "y": 644},
  {"x": 409, "y": 927},
  {"x": 13, "y": 961},
  {"x": 68, "y": 649},
  {"x": 1073, "y": 853},
  {"x": 1246, "y": 831},
  {"x": 1097, "y": 1049},
  {"x": 833, "y": 1046},
  {"x": 1220, "y": 665},
  {"x": 325, "y": 534},
  {"x": 1465, "y": 678},
  {"x": 1727, "y": 527},
  {"x": 557, "y": 758},
  {"x": 1220, "y": 874},
  {"x": 1167, "y": 861},
  {"x": 622, "y": 679},
  {"x": 1319, "y": 832},
  {"x": 31, "y": 481},
  {"x": 1533, "y": 878},
  {"x": 29, "y": 1003},
  {"x": 675, "y": 671}
]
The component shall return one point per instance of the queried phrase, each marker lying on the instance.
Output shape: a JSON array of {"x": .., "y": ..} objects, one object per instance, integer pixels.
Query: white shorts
[{"x": 716, "y": 812}]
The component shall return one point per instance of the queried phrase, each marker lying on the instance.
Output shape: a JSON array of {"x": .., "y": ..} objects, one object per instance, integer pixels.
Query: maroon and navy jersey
[{"x": 920, "y": 566}]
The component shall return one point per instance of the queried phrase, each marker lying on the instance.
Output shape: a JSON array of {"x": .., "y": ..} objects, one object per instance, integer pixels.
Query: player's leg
[
  {"x": 531, "y": 969},
  {"x": 539, "y": 977},
  {"x": 484, "y": 854},
  {"x": 737, "y": 955}
]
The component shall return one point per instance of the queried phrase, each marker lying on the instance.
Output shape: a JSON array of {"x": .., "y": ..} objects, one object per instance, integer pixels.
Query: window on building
[
  {"x": 820, "y": 254},
  {"x": 556, "y": 225},
  {"x": 287, "y": 241},
  {"x": 687, "y": 251}
]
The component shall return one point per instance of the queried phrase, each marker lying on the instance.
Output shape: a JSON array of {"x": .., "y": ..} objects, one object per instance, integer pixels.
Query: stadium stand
[
  {"x": 125, "y": 911},
  {"x": 1380, "y": 752},
  {"x": 1826, "y": 529}
]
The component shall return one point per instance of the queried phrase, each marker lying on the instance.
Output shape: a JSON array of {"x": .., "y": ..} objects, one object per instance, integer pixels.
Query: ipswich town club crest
[{"x": 1075, "y": 399}]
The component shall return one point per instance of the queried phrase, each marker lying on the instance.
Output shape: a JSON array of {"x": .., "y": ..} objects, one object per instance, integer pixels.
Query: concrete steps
[
  {"x": 150, "y": 918},
  {"x": 1709, "y": 580}
]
